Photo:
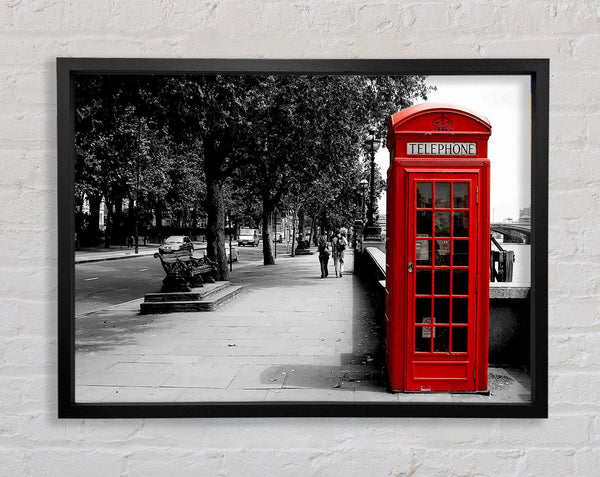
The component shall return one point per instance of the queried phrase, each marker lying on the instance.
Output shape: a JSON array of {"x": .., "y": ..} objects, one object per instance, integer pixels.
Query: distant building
[
  {"x": 382, "y": 222},
  {"x": 102, "y": 214},
  {"x": 525, "y": 215}
]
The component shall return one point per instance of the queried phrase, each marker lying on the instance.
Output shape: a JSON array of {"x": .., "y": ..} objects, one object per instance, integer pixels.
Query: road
[{"x": 102, "y": 284}]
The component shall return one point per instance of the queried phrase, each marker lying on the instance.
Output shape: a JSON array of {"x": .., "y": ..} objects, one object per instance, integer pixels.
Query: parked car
[
  {"x": 248, "y": 237},
  {"x": 176, "y": 243}
]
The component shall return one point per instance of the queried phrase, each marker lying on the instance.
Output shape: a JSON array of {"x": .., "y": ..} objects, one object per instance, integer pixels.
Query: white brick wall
[{"x": 34, "y": 33}]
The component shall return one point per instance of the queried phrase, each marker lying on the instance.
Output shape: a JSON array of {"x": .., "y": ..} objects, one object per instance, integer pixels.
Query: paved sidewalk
[
  {"x": 290, "y": 336},
  {"x": 114, "y": 253}
]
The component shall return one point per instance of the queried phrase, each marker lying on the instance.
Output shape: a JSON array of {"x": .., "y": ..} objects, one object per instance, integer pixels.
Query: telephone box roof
[{"x": 413, "y": 112}]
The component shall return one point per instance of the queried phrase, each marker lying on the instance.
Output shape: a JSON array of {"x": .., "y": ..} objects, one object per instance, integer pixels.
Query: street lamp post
[
  {"x": 275, "y": 234},
  {"x": 372, "y": 230},
  {"x": 137, "y": 200},
  {"x": 364, "y": 185},
  {"x": 230, "y": 224}
]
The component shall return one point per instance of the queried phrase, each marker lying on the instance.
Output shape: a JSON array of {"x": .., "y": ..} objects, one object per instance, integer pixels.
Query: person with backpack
[
  {"x": 339, "y": 244},
  {"x": 324, "y": 253}
]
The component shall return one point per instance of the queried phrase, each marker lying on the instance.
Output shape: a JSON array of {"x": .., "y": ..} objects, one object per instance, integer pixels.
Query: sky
[{"x": 505, "y": 101}]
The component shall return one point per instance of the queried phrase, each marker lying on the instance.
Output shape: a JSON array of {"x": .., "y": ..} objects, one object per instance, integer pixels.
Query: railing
[
  {"x": 373, "y": 266},
  {"x": 508, "y": 312},
  {"x": 501, "y": 263}
]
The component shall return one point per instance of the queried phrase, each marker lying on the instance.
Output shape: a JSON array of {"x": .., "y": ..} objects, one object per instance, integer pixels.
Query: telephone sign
[
  {"x": 437, "y": 254},
  {"x": 441, "y": 149}
]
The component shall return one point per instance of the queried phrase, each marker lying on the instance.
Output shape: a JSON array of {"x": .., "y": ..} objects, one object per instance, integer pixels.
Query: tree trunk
[
  {"x": 215, "y": 227},
  {"x": 194, "y": 226},
  {"x": 131, "y": 218},
  {"x": 313, "y": 230},
  {"x": 93, "y": 226},
  {"x": 117, "y": 235},
  {"x": 158, "y": 208},
  {"x": 294, "y": 234},
  {"x": 266, "y": 234},
  {"x": 109, "y": 224},
  {"x": 301, "y": 222},
  {"x": 323, "y": 222}
]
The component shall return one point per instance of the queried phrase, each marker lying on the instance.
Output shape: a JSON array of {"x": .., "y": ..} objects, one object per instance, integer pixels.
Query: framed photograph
[{"x": 302, "y": 238}]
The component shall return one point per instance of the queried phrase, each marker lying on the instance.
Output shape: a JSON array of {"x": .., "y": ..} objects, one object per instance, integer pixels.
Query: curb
[{"x": 104, "y": 259}]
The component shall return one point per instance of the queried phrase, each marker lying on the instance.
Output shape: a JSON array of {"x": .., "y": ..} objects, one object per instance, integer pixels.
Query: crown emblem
[{"x": 442, "y": 124}]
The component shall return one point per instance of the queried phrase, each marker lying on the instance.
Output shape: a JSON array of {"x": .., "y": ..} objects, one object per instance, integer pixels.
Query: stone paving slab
[
  {"x": 222, "y": 395},
  {"x": 123, "y": 394},
  {"x": 290, "y": 336}
]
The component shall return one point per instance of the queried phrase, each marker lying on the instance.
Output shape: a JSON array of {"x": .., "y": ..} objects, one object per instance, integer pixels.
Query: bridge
[{"x": 513, "y": 232}]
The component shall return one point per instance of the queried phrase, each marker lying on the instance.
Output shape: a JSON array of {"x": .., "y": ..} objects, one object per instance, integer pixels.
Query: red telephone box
[{"x": 438, "y": 249}]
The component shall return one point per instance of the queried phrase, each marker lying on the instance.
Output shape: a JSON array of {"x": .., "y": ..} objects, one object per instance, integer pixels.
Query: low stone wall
[
  {"x": 369, "y": 264},
  {"x": 509, "y": 309}
]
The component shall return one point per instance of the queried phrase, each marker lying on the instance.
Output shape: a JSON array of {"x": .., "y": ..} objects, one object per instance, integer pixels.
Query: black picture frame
[{"x": 538, "y": 69}]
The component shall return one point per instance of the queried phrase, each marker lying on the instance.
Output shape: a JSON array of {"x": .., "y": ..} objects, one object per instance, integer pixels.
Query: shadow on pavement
[
  {"x": 362, "y": 368},
  {"x": 108, "y": 328}
]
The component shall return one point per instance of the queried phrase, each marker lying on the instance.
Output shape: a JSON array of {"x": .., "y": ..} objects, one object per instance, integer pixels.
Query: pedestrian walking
[
  {"x": 339, "y": 244},
  {"x": 324, "y": 254}
]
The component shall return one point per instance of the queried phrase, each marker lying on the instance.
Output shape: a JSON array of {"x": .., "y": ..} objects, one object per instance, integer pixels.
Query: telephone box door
[{"x": 442, "y": 265}]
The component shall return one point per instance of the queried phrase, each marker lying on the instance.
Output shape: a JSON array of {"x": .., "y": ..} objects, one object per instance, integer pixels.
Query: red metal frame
[{"x": 441, "y": 370}]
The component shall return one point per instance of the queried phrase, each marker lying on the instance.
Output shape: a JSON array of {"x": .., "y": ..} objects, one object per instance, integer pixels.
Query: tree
[
  {"x": 123, "y": 151},
  {"x": 104, "y": 133},
  {"x": 307, "y": 137},
  {"x": 245, "y": 144}
]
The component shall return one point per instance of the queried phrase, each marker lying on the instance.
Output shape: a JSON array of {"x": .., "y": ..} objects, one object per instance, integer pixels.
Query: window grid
[{"x": 428, "y": 329}]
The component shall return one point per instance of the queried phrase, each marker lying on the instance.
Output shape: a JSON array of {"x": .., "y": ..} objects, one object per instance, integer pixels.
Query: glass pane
[
  {"x": 423, "y": 282},
  {"x": 442, "y": 282},
  {"x": 461, "y": 224},
  {"x": 423, "y": 339},
  {"x": 460, "y": 256},
  {"x": 442, "y": 195},
  {"x": 423, "y": 310},
  {"x": 460, "y": 282},
  {"x": 441, "y": 310},
  {"x": 461, "y": 195},
  {"x": 424, "y": 223},
  {"x": 423, "y": 253},
  {"x": 460, "y": 310},
  {"x": 441, "y": 339},
  {"x": 442, "y": 224},
  {"x": 459, "y": 339},
  {"x": 442, "y": 252},
  {"x": 424, "y": 195}
]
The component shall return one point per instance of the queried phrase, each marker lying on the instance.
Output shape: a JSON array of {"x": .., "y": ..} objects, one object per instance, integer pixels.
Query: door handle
[{"x": 410, "y": 267}]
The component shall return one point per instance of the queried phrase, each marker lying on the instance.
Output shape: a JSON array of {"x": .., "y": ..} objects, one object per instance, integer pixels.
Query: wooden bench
[{"x": 184, "y": 271}]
